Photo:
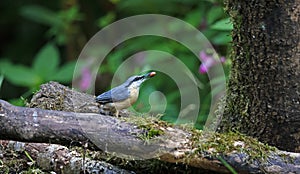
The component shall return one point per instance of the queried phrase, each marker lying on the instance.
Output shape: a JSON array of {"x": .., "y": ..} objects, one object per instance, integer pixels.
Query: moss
[
  {"x": 263, "y": 73},
  {"x": 151, "y": 126},
  {"x": 205, "y": 143},
  {"x": 11, "y": 165},
  {"x": 225, "y": 143}
]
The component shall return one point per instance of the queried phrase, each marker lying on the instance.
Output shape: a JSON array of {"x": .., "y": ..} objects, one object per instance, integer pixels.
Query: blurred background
[{"x": 40, "y": 41}]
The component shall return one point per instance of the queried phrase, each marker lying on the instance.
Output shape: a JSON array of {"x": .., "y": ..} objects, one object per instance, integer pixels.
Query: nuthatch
[{"x": 125, "y": 95}]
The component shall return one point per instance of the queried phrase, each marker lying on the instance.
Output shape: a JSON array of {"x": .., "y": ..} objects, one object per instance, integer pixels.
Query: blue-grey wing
[
  {"x": 104, "y": 97},
  {"x": 116, "y": 94}
]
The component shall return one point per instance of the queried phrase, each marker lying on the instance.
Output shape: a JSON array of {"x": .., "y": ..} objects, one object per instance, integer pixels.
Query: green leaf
[
  {"x": 21, "y": 76},
  {"x": 29, "y": 157},
  {"x": 194, "y": 17},
  {"x": 106, "y": 20},
  {"x": 17, "y": 102},
  {"x": 1, "y": 80},
  {"x": 214, "y": 13},
  {"x": 65, "y": 73},
  {"x": 222, "y": 25},
  {"x": 46, "y": 61},
  {"x": 223, "y": 38},
  {"x": 4, "y": 65},
  {"x": 41, "y": 15},
  {"x": 71, "y": 14}
]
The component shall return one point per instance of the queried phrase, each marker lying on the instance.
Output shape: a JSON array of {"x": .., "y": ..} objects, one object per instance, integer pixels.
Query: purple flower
[
  {"x": 86, "y": 79},
  {"x": 208, "y": 61}
]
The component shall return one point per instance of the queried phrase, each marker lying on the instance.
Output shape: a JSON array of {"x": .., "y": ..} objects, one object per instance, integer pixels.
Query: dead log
[
  {"x": 53, "y": 158},
  {"x": 127, "y": 140}
]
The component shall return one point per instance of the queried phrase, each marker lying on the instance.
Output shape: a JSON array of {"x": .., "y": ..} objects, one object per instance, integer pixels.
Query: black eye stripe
[{"x": 138, "y": 78}]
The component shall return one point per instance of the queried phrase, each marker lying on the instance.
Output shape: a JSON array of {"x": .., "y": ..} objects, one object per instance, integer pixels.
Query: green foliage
[
  {"x": 71, "y": 24},
  {"x": 45, "y": 67},
  {"x": 60, "y": 22},
  {"x": 106, "y": 20},
  {"x": 46, "y": 61},
  {"x": 223, "y": 24},
  {"x": 1, "y": 80},
  {"x": 41, "y": 15},
  {"x": 20, "y": 75},
  {"x": 65, "y": 73},
  {"x": 214, "y": 14}
]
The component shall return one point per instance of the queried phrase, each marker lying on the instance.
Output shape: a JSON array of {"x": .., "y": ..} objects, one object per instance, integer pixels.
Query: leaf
[
  {"x": 17, "y": 102},
  {"x": 21, "y": 76},
  {"x": 194, "y": 17},
  {"x": 65, "y": 73},
  {"x": 214, "y": 13},
  {"x": 223, "y": 38},
  {"x": 28, "y": 156},
  {"x": 46, "y": 61},
  {"x": 106, "y": 20},
  {"x": 4, "y": 64},
  {"x": 40, "y": 15},
  {"x": 68, "y": 16},
  {"x": 1, "y": 80},
  {"x": 223, "y": 25}
]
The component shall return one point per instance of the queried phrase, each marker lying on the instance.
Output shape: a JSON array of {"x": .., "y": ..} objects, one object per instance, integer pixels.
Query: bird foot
[{"x": 111, "y": 111}]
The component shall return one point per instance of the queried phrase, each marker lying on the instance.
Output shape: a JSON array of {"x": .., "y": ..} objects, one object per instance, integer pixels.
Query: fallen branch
[
  {"x": 52, "y": 157},
  {"x": 124, "y": 139}
]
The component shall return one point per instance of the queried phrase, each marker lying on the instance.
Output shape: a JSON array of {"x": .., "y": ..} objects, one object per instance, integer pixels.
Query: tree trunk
[{"x": 264, "y": 88}]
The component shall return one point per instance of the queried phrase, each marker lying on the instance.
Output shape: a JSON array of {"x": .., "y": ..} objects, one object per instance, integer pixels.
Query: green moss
[
  {"x": 151, "y": 126},
  {"x": 226, "y": 143},
  {"x": 205, "y": 142},
  {"x": 12, "y": 165}
]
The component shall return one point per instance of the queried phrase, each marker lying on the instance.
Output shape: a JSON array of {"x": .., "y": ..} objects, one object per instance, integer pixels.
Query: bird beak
[{"x": 150, "y": 74}]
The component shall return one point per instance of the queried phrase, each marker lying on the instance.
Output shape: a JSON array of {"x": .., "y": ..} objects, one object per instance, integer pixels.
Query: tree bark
[
  {"x": 55, "y": 158},
  {"x": 113, "y": 135},
  {"x": 263, "y": 98}
]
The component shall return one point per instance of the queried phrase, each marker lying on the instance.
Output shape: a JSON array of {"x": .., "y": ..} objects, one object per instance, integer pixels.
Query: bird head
[{"x": 136, "y": 81}]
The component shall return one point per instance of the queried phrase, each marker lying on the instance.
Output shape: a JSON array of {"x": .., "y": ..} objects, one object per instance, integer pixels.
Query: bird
[{"x": 123, "y": 96}]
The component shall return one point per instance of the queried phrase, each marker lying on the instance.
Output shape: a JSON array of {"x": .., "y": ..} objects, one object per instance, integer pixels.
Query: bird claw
[{"x": 107, "y": 110}]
